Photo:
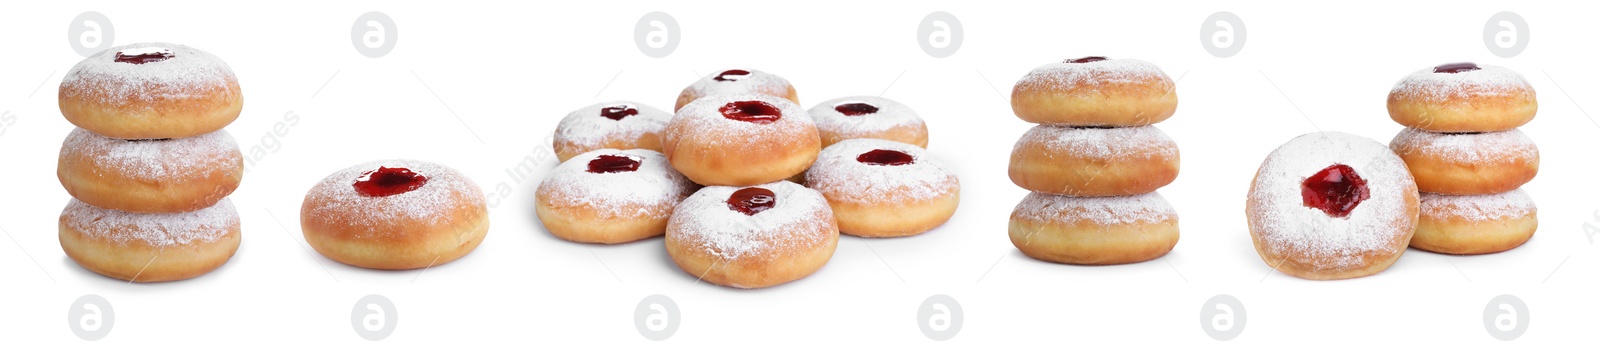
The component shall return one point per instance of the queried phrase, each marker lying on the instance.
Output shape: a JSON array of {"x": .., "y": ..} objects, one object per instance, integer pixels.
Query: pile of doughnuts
[
  {"x": 749, "y": 189},
  {"x": 149, "y": 167},
  {"x": 1462, "y": 145},
  {"x": 1094, "y": 162}
]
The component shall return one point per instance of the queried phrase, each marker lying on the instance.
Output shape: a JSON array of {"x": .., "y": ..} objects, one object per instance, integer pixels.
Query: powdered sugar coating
[
  {"x": 586, "y": 127},
  {"x": 652, "y": 191},
  {"x": 1477, "y": 208},
  {"x": 890, "y": 115},
  {"x": 702, "y": 121},
  {"x": 1144, "y": 208},
  {"x": 160, "y": 160},
  {"x": 1284, "y": 225},
  {"x": 336, "y": 201},
  {"x": 190, "y": 73},
  {"x": 1065, "y": 76},
  {"x": 1472, "y": 148},
  {"x": 1488, "y": 81},
  {"x": 1110, "y": 144},
  {"x": 704, "y": 222},
  {"x": 841, "y": 178},
  {"x": 155, "y": 229},
  {"x": 757, "y": 82}
]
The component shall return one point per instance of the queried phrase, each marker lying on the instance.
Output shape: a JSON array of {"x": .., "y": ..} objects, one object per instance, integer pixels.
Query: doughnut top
[
  {"x": 1111, "y": 144},
  {"x": 156, "y": 229},
  {"x": 336, "y": 200},
  {"x": 158, "y": 160},
  {"x": 1435, "y": 86},
  {"x": 652, "y": 189},
  {"x": 1467, "y": 148},
  {"x": 739, "y": 81},
  {"x": 1477, "y": 208},
  {"x": 707, "y": 222},
  {"x": 1070, "y": 73},
  {"x": 1284, "y": 223},
  {"x": 842, "y": 176},
  {"x": 1144, "y": 208},
  {"x": 616, "y": 120},
  {"x": 859, "y": 115},
  {"x": 704, "y": 119},
  {"x": 147, "y": 74}
]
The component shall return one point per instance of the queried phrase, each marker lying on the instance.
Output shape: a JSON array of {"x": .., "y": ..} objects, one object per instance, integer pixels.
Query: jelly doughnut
[
  {"x": 735, "y": 82},
  {"x": 394, "y": 215},
  {"x": 1331, "y": 205},
  {"x": 752, "y": 237},
  {"x": 610, "y": 196},
  {"x": 740, "y": 140},
  {"x": 868, "y": 117},
  {"x": 1095, "y": 91},
  {"x": 149, "y": 247},
  {"x": 1094, "y": 161},
  {"x": 150, "y": 176},
  {"x": 1094, "y": 230},
  {"x": 881, "y": 188},
  {"x": 1463, "y": 97},
  {"x": 151, "y": 91},
  {"x": 1475, "y": 224},
  {"x": 1468, "y": 163},
  {"x": 618, "y": 125}
]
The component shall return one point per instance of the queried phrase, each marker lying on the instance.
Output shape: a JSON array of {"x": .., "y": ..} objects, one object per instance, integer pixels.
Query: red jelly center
[
  {"x": 618, "y": 112},
  {"x": 1336, "y": 190},
  {"x": 751, "y": 112},
  {"x": 386, "y": 181},
  {"x": 1085, "y": 60},
  {"x": 751, "y": 201},
  {"x": 613, "y": 164},
  {"x": 731, "y": 75},
  {"x": 885, "y": 157},
  {"x": 1455, "y": 68},
  {"x": 137, "y": 58},
  {"x": 855, "y": 109}
]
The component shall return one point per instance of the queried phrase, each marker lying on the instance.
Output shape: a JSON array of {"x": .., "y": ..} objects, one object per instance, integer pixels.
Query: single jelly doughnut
[
  {"x": 1090, "y": 161},
  {"x": 150, "y": 176},
  {"x": 737, "y": 81},
  {"x": 610, "y": 196},
  {"x": 752, "y": 237},
  {"x": 619, "y": 125},
  {"x": 1470, "y": 163},
  {"x": 1463, "y": 97},
  {"x": 1475, "y": 224},
  {"x": 740, "y": 140},
  {"x": 1094, "y": 230},
  {"x": 150, "y": 247},
  {"x": 150, "y": 91},
  {"x": 868, "y": 117},
  {"x": 881, "y": 188},
  {"x": 1095, "y": 91},
  {"x": 395, "y": 215}
]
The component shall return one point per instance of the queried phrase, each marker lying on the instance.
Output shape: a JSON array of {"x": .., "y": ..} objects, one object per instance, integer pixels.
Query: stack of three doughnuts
[
  {"x": 1094, "y": 162},
  {"x": 1469, "y": 160},
  {"x": 148, "y": 167}
]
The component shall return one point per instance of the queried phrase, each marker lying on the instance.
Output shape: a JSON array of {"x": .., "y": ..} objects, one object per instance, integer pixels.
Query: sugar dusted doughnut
[
  {"x": 394, "y": 215},
  {"x": 1094, "y": 230},
  {"x": 149, "y": 91},
  {"x": 880, "y": 188},
  {"x": 619, "y": 125},
  {"x": 735, "y": 82},
  {"x": 740, "y": 140},
  {"x": 610, "y": 196},
  {"x": 1468, "y": 163},
  {"x": 752, "y": 237},
  {"x": 1332, "y": 205},
  {"x": 1088, "y": 161},
  {"x": 868, "y": 117},
  {"x": 1095, "y": 91},
  {"x": 1475, "y": 224},
  {"x": 150, "y": 176},
  {"x": 149, "y": 247},
  {"x": 1463, "y": 97}
]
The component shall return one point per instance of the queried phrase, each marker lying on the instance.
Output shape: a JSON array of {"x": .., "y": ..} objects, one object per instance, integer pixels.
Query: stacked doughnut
[
  {"x": 1094, "y": 162},
  {"x": 149, "y": 167},
  {"x": 1462, "y": 145},
  {"x": 632, "y": 172}
]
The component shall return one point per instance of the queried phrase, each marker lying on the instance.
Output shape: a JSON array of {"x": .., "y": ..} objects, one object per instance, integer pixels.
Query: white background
[{"x": 480, "y": 86}]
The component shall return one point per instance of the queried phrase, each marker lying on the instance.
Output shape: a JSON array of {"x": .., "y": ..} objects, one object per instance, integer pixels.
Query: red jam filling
[
  {"x": 855, "y": 109},
  {"x": 618, "y": 112},
  {"x": 386, "y": 181},
  {"x": 1455, "y": 68},
  {"x": 1336, "y": 190},
  {"x": 143, "y": 58},
  {"x": 751, "y": 201},
  {"x": 751, "y": 112},
  {"x": 731, "y": 75},
  {"x": 1086, "y": 60},
  {"x": 885, "y": 157},
  {"x": 608, "y": 163}
]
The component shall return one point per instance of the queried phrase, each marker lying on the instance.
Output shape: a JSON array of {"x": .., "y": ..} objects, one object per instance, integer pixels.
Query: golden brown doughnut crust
[
  {"x": 439, "y": 222},
  {"x": 138, "y": 247},
  {"x": 191, "y": 94},
  {"x": 1475, "y": 224},
  {"x": 1116, "y": 92},
  {"x": 1489, "y": 99},
  {"x": 181, "y": 175},
  {"x": 1094, "y": 162},
  {"x": 713, "y": 150},
  {"x": 1468, "y": 164},
  {"x": 1069, "y": 230}
]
